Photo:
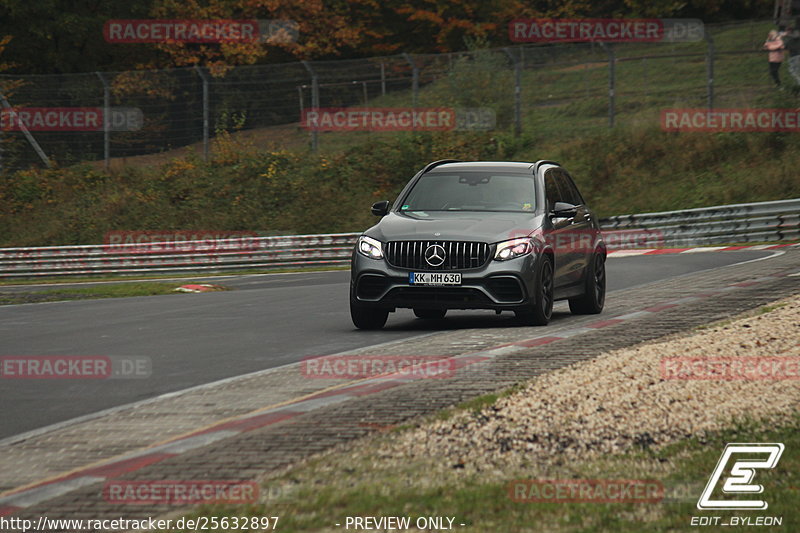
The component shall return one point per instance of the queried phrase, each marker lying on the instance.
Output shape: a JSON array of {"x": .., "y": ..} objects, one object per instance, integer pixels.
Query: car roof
[{"x": 514, "y": 166}]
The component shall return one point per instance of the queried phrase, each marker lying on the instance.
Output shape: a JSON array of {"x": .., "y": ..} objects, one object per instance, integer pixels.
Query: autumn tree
[
  {"x": 52, "y": 36},
  {"x": 324, "y": 28}
]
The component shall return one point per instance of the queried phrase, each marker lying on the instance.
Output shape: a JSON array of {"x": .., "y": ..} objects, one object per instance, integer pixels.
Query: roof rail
[
  {"x": 435, "y": 164},
  {"x": 543, "y": 162}
]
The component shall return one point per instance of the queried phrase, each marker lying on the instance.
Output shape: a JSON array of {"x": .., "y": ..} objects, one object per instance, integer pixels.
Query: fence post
[
  {"x": 314, "y": 103},
  {"x": 300, "y": 99},
  {"x": 26, "y": 133},
  {"x": 106, "y": 121},
  {"x": 612, "y": 83},
  {"x": 710, "y": 53},
  {"x": 204, "y": 77},
  {"x": 517, "y": 91},
  {"x": 414, "y": 79},
  {"x": 383, "y": 79}
]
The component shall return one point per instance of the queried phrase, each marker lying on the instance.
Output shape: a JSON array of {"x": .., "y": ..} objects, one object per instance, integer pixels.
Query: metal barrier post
[
  {"x": 204, "y": 77},
  {"x": 414, "y": 79},
  {"x": 612, "y": 82},
  {"x": 710, "y": 53},
  {"x": 314, "y": 103},
  {"x": 300, "y": 98},
  {"x": 106, "y": 121},
  {"x": 517, "y": 91}
]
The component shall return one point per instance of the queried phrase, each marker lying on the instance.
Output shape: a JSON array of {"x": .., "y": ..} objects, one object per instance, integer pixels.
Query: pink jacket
[{"x": 776, "y": 50}]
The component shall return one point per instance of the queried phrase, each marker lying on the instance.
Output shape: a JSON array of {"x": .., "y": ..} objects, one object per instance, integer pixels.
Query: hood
[{"x": 454, "y": 225}]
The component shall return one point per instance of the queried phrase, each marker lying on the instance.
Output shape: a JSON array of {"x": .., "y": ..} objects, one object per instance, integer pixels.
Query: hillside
[{"x": 267, "y": 179}]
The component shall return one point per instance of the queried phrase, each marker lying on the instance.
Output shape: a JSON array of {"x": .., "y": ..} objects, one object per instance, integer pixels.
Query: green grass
[
  {"x": 337, "y": 487},
  {"x": 121, "y": 290},
  {"x": 122, "y": 278},
  {"x": 769, "y": 308}
]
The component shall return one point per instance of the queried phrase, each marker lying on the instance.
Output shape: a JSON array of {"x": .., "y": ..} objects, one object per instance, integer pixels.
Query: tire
[
  {"x": 368, "y": 317},
  {"x": 541, "y": 306},
  {"x": 430, "y": 314},
  {"x": 593, "y": 300}
]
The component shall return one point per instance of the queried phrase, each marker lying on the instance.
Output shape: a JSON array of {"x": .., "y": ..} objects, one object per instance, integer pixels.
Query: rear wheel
[
  {"x": 541, "y": 306},
  {"x": 430, "y": 314},
  {"x": 593, "y": 300},
  {"x": 368, "y": 317}
]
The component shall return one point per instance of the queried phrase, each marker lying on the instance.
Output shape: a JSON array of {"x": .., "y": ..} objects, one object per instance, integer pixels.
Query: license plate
[{"x": 434, "y": 278}]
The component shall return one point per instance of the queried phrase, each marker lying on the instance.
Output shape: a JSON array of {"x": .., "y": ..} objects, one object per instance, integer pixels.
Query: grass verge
[
  {"x": 133, "y": 279},
  {"x": 122, "y": 290},
  {"x": 328, "y": 489}
]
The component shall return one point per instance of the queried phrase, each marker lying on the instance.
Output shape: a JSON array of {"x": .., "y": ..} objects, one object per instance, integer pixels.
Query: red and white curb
[
  {"x": 696, "y": 250},
  {"x": 18, "y": 499}
]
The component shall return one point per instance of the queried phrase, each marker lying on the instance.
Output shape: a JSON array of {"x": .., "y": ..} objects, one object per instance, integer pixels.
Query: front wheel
[
  {"x": 368, "y": 317},
  {"x": 430, "y": 314},
  {"x": 593, "y": 300},
  {"x": 541, "y": 306}
]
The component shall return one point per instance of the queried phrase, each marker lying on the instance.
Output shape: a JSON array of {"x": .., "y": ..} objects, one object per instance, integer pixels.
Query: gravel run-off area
[{"x": 621, "y": 400}]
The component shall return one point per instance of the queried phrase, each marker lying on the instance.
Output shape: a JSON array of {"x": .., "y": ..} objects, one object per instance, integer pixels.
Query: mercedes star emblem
[{"x": 434, "y": 255}]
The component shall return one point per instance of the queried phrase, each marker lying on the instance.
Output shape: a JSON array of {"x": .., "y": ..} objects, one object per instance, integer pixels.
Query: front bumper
[{"x": 498, "y": 285}]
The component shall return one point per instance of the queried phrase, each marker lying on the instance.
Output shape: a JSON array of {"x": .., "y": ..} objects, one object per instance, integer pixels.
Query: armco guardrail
[
  {"x": 764, "y": 221},
  {"x": 755, "y": 222},
  {"x": 262, "y": 253}
]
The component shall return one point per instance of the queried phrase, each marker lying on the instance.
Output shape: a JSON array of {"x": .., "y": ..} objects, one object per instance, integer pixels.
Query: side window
[
  {"x": 571, "y": 193},
  {"x": 551, "y": 191}
]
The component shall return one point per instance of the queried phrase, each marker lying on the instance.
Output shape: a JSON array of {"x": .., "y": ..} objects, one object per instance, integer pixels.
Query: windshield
[{"x": 472, "y": 191}]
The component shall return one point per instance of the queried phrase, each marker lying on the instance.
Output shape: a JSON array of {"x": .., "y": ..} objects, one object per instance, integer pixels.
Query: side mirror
[
  {"x": 380, "y": 209},
  {"x": 564, "y": 210}
]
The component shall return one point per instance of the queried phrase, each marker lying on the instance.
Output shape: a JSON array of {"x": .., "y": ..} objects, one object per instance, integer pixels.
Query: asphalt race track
[{"x": 266, "y": 322}]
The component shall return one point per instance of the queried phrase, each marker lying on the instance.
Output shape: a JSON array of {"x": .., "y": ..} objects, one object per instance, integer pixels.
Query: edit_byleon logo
[{"x": 744, "y": 459}]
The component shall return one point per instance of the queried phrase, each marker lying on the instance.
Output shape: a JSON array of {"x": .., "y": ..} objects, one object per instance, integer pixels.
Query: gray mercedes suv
[{"x": 480, "y": 235}]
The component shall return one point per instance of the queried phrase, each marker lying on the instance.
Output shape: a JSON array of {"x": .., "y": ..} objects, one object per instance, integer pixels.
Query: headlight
[
  {"x": 514, "y": 248},
  {"x": 370, "y": 247}
]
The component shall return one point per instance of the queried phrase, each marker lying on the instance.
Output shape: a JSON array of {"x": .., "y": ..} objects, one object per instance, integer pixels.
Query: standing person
[{"x": 775, "y": 46}]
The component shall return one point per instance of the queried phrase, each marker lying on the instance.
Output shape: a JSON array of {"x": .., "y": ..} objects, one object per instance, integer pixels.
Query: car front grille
[
  {"x": 413, "y": 296},
  {"x": 458, "y": 255}
]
